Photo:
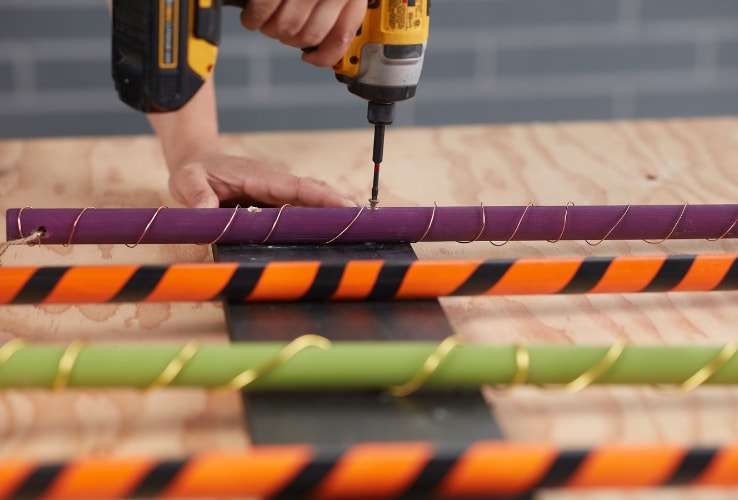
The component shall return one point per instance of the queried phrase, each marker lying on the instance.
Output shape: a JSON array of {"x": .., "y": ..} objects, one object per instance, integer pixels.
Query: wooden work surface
[{"x": 670, "y": 162}]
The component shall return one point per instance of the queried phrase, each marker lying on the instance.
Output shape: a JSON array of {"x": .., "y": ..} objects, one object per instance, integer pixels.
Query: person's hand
[
  {"x": 203, "y": 181},
  {"x": 329, "y": 25}
]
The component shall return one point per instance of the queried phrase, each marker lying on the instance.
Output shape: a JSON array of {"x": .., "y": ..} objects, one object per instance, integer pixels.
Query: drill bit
[
  {"x": 379, "y": 114},
  {"x": 377, "y": 158}
]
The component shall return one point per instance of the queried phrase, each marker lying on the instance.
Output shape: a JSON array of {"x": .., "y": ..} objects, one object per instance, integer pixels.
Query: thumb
[{"x": 189, "y": 185}]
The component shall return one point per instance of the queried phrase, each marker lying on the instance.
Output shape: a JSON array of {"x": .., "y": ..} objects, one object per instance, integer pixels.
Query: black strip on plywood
[{"x": 347, "y": 417}]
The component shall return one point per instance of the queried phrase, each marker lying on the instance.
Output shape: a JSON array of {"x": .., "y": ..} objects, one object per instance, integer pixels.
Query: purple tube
[{"x": 391, "y": 224}]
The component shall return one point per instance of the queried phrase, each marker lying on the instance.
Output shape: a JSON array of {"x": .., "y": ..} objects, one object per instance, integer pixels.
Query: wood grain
[
  {"x": 650, "y": 162},
  {"x": 122, "y": 172},
  {"x": 583, "y": 163}
]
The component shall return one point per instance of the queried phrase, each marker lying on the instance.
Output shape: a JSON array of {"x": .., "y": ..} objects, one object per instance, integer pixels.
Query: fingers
[
  {"x": 189, "y": 185},
  {"x": 207, "y": 181},
  {"x": 329, "y": 25},
  {"x": 258, "y": 12},
  {"x": 290, "y": 20},
  {"x": 338, "y": 39},
  {"x": 276, "y": 187},
  {"x": 311, "y": 192}
]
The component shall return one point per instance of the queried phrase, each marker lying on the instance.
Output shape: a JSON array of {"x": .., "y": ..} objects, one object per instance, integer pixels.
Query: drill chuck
[{"x": 380, "y": 113}]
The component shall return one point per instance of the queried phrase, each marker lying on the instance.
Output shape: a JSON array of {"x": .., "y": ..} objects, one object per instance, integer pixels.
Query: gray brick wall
[{"x": 489, "y": 61}]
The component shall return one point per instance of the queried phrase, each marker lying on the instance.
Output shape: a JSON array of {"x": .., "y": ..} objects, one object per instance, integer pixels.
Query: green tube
[{"x": 361, "y": 365}]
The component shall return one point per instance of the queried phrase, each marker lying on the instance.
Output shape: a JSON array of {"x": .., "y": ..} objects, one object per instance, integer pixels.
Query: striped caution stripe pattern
[
  {"x": 366, "y": 280},
  {"x": 373, "y": 470}
]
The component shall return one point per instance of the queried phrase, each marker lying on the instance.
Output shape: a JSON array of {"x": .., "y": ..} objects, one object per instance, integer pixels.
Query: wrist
[{"x": 190, "y": 132}]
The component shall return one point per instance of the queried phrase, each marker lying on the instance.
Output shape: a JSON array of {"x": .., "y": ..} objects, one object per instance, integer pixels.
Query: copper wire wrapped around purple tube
[{"x": 287, "y": 225}]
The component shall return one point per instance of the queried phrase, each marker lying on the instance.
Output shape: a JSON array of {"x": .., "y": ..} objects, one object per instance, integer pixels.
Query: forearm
[{"x": 192, "y": 130}]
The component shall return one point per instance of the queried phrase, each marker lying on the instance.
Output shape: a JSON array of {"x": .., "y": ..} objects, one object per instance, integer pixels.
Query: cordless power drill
[{"x": 164, "y": 50}]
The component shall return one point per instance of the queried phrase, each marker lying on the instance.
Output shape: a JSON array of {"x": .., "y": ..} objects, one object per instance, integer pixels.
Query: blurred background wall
[{"x": 488, "y": 61}]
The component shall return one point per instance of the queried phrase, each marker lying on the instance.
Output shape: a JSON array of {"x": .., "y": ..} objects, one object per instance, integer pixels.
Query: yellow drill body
[{"x": 384, "y": 62}]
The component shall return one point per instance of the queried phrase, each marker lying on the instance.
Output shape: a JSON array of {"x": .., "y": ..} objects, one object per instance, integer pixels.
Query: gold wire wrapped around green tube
[{"x": 312, "y": 362}]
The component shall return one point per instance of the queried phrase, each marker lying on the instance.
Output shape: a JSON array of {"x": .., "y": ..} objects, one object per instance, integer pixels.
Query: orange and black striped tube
[
  {"x": 366, "y": 279},
  {"x": 373, "y": 470}
]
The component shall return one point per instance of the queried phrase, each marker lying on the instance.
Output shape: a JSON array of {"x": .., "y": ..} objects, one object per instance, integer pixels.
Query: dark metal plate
[{"x": 340, "y": 417}]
